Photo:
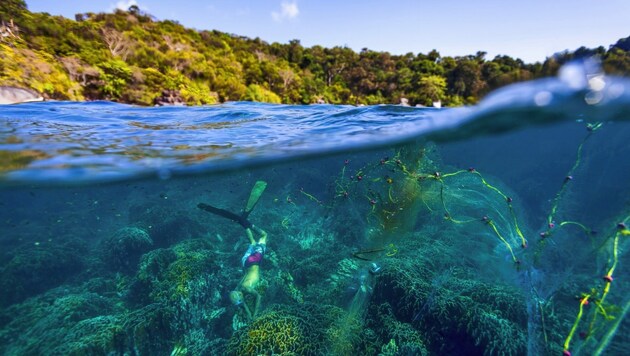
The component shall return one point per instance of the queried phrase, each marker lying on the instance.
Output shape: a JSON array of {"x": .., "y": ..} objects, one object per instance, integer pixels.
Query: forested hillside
[{"x": 129, "y": 56}]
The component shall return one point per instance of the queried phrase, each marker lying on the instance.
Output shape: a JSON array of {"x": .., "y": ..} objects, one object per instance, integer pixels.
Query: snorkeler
[
  {"x": 251, "y": 263},
  {"x": 253, "y": 256}
]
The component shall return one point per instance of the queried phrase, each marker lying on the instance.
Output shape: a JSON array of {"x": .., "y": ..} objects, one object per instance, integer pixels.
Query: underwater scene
[{"x": 258, "y": 229}]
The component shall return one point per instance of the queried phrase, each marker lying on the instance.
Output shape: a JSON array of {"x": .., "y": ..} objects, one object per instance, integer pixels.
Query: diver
[
  {"x": 253, "y": 256},
  {"x": 251, "y": 263}
]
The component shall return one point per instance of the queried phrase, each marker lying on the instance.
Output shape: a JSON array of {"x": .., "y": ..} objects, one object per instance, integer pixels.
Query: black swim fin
[
  {"x": 254, "y": 196},
  {"x": 241, "y": 219}
]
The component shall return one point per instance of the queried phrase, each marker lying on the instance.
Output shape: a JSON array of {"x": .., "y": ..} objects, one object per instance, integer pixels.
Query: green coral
[
  {"x": 170, "y": 274},
  {"x": 346, "y": 269},
  {"x": 389, "y": 349},
  {"x": 289, "y": 287},
  {"x": 273, "y": 333},
  {"x": 286, "y": 330},
  {"x": 452, "y": 311},
  {"x": 403, "y": 338},
  {"x": 184, "y": 280}
]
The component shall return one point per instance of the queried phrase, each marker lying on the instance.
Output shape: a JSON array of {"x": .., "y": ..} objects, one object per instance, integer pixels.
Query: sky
[{"x": 527, "y": 29}]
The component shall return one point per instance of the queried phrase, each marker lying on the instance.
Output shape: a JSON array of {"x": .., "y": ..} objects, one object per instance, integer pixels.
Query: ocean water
[{"x": 497, "y": 229}]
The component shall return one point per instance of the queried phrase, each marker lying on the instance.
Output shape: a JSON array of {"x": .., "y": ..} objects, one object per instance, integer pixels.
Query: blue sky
[{"x": 528, "y": 29}]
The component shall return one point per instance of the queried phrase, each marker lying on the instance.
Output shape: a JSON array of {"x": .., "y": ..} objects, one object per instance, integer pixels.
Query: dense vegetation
[{"x": 129, "y": 56}]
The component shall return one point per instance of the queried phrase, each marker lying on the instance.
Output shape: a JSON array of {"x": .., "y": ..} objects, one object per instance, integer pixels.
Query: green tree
[
  {"x": 256, "y": 92},
  {"x": 617, "y": 61},
  {"x": 623, "y": 44},
  {"x": 12, "y": 10},
  {"x": 431, "y": 89},
  {"x": 465, "y": 79},
  {"x": 115, "y": 75}
]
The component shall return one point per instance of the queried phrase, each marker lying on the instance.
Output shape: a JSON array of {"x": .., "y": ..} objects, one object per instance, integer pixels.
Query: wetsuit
[{"x": 254, "y": 255}]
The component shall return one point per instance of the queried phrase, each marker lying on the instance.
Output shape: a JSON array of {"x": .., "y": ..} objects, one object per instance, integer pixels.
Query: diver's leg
[
  {"x": 247, "y": 311},
  {"x": 257, "y": 305},
  {"x": 263, "y": 234},
  {"x": 250, "y": 235}
]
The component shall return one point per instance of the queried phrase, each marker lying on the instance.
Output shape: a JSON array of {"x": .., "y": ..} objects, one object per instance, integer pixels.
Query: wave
[{"x": 83, "y": 142}]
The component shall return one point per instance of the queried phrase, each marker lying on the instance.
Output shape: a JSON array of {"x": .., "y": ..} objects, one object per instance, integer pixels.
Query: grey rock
[{"x": 14, "y": 95}]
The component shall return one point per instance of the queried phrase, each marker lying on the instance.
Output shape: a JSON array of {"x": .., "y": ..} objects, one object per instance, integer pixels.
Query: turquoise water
[{"x": 493, "y": 229}]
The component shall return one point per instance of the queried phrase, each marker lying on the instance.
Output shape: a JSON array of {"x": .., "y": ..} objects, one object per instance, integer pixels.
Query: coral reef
[
  {"x": 444, "y": 282},
  {"x": 98, "y": 335},
  {"x": 182, "y": 302},
  {"x": 35, "y": 269},
  {"x": 166, "y": 275},
  {"x": 403, "y": 337},
  {"x": 149, "y": 330},
  {"x": 123, "y": 249},
  {"x": 187, "y": 280},
  {"x": 85, "y": 323},
  {"x": 69, "y": 321},
  {"x": 286, "y": 330},
  {"x": 454, "y": 312}
]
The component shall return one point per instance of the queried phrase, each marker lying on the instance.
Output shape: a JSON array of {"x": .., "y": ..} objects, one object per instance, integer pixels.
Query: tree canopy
[{"x": 130, "y": 56}]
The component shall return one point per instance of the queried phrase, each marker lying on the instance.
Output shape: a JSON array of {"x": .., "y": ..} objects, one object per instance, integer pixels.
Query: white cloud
[
  {"x": 124, "y": 5},
  {"x": 288, "y": 11}
]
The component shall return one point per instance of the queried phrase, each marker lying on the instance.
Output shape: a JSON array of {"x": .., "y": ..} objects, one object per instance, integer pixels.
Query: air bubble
[
  {"x": 593, "y": 97},
  {"x": 542, "y": 98},
  {"x": 597, "y": 83}
]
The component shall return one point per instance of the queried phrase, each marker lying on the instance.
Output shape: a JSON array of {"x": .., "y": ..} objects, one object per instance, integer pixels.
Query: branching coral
[
  {"x": 402, "y": 336},
  {"x": 453, "y": 311}
]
